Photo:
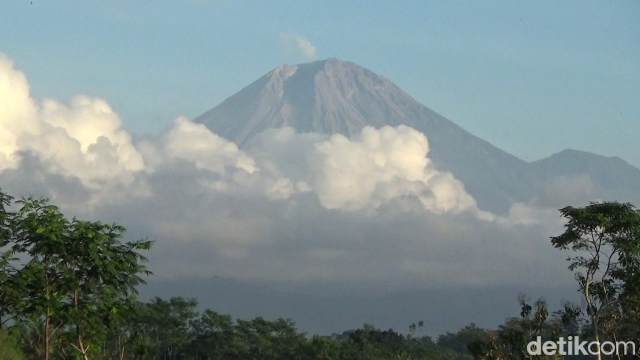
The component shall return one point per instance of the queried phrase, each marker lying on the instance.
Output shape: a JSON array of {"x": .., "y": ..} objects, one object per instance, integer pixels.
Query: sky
[
  {"x": 96, "y": 102},
  {"x": 532, "y": 78}
]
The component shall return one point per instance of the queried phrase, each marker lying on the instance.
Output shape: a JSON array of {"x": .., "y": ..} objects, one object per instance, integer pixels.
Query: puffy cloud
[
  {"x": 17, "y": 111},
  {"x": 299, "y": 43},
  {"x": 195, "y": 143},
  {"x": 83, "y": 139},
  {"x": 291, "y": 207},
  {"x": 371, "y": 169}
]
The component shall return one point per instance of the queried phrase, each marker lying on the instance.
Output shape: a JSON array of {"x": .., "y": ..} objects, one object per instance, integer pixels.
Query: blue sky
[{"x": 532, "y": 78}]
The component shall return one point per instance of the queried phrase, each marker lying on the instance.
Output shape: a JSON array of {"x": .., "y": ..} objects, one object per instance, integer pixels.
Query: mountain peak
[
  {"x": 338, "y": 97},
  {"x": 326, "y": 96},
  {"x": 328, "y": 67},
  {"x": 318, "y": 64}
]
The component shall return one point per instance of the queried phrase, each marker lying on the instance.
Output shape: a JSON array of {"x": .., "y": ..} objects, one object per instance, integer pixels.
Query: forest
[{"x": 68, "y": 291}]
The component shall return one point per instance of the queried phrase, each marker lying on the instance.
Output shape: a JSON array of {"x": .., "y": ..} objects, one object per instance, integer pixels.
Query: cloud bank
[{"x": 369, "y": 210}]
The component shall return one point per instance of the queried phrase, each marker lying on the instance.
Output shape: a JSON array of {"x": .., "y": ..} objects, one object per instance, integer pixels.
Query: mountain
[
  {"x": 607, "y": 178},
  {"x": 337, "y": 97}
]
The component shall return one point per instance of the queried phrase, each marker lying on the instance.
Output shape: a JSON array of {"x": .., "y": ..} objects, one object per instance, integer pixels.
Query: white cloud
[
  {"x": 293, "y": 207},
  {"x": 298, "y": 43},
  {"x": 372, "y": 169},
  {"x": 83, "y": 139},
  {"x": 195, "y": 143}
]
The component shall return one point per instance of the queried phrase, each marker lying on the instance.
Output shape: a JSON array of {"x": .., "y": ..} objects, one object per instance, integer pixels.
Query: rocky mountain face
[{"x": 336, "y": 97}]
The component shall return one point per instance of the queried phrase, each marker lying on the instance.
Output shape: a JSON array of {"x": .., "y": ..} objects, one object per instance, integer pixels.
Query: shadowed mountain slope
[{"x": 607, "y": 178}]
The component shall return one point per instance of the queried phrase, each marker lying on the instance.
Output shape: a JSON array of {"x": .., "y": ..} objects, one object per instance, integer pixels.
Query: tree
[
  {"x": 9, "y": 349},
  {"x": 167, "y": 325},
  {"x": 39, "y": 233},
  {"x": 511, "y": 339},
  {"x": 9, "y": 287},
  {"x": 606, "y": 239},
  {"x": 79, "y": 277},
  {"x": 461, "y": 340},
  {"x": 214, "y": 335},
  {"x": 100, "y": 276}
]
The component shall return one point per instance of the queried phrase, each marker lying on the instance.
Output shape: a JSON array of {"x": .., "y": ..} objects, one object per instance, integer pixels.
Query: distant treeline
[
  {"x": 67, "y": 291},
  {"x": 173, "y": 330}
]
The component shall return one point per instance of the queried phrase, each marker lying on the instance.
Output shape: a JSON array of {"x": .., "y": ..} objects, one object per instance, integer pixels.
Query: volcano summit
[{"x": 338, "y": 97}]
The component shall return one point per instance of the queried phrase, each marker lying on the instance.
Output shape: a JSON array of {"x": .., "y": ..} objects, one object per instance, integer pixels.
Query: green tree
[
  {"x": 511, "y": 339},
  {"x": 39, "y": 231},
  {"x": 167, "y": 324},
  {"x": 461, "y": 340},
  {"x": 10, "y": 286},
  {"x": 606, "y": 240},
  {"x": 80, "y": 278},
  {"x": 100, "y": 277},
  {"x": 9, "y": 349},
  {"x": 214, "y": 336}
]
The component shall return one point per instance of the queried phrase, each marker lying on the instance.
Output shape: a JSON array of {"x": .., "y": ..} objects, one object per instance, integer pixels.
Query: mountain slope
[
  {"x": 332, "y": 97},
  {"x": 610, "y": 177},
  {"x": 336, "y": 97}
]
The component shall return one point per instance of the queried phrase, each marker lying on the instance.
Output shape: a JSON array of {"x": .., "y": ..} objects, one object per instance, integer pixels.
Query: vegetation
[
  {"x": 67, "y": 291},
  {"x": 605, "y": 240},
  {"x": 75, "y": 280},
  {"x": 9, "y": 349}
]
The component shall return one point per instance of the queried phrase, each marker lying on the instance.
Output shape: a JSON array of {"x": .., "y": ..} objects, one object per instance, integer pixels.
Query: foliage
[
  {"x": 605, "y": 240},
  {"x": 9, "y": 348},
  {"x": 461, "y": 340},
  {"x": 510, "y": 340},
  {"x": 171, "y": 329},
  {"x": 72, "y": 296},
  {"x": 78, "y": 278}
]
